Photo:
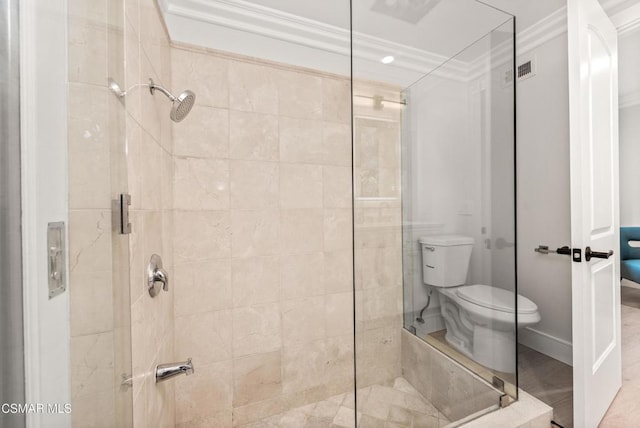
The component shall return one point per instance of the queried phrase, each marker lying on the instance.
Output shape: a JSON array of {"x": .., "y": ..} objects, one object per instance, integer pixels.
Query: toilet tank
[{"x": 445, "y": 259}]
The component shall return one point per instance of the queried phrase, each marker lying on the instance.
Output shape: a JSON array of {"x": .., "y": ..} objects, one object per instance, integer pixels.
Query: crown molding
[
  {"x": 258, "y": 21},
  {"x": 541, "y": 32},
  {"x": 284, "y": 37}
]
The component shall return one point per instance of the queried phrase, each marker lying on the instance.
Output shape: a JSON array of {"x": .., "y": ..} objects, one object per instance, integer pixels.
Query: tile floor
[{"x": 397, "y": 405}]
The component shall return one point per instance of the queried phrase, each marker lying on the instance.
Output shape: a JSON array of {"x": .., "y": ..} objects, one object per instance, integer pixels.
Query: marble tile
[
  {"x": 253, "y": 412},
  {"x": 303, "y": 320},
  {"x": 337, "y": 187},
  {"x": 90, "y": 10},
  {"x": 89, "y": 152},
  {"x": 338, "y": 271},
  {"x": 339, "y": 371},
  {"x": 91, "y": 303},
  {"x": 253, "y": 87},
  {"x": 303, "y": 366},
  {"x": 206, "y": 393},
  {"x": 345, "y": 417},
  {"x": 299, "y": 95},
  {"x": 301, "y": 140},
  {"x": 89, "y": 241},
  {"x": 206, "y": 337},
  {"x": 87, "y": 414},
  {"x": 338, "y": 314},
  {"x": 381, "y": 303},
  {"x": 257, "y": 377},
  {"x": 133, "y": 72},
  {"x": 154, "y": 107},
  {"x": 219, "y": 420},
  {"x": 254, "y": 184},
  {"x": 255, "y": 232},
  {"x": 300, "y": 186},
  {"x": 152, "y": 33},
  {"x": 204, "y": 133},
  {"x": 336, "y": 143},
  {"x": 256, "y": 329},
  {"x": 369, "y": 421},
  {"x": 201, "y": 184},
  {"x": 338, "y": 230},
  {"x": 92, "y": 369},
  {"x": 201, "y": 235},
  {"x": 204, "y": 74},
  {"x": 253, "y": 136},
  {"x": 144, "y": 159},
  {"x": 255, "y": 280},
  {"x": 301, "y": 275},
  {"x": 336, "y": 100},
  {"x": 301, "y": 231},
  {"x": 87, "y": 51}
]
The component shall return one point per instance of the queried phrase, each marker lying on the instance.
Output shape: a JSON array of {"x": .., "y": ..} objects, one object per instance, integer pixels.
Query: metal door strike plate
[{"x": 56, "y": 259}]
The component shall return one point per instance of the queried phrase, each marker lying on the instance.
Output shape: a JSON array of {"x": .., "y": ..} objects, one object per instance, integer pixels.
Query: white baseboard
[{"x": 545, "y": 343}]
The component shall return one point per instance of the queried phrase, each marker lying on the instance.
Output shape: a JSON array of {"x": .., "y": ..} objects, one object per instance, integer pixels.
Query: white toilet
[{"x": 479, "y": 318}]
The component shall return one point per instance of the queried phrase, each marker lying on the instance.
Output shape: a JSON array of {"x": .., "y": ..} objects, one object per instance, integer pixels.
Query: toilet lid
[{"x": 495, "y": 298}]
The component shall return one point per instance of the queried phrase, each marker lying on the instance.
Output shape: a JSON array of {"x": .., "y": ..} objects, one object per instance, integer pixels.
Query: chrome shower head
[{"x": 182, "y": 104}]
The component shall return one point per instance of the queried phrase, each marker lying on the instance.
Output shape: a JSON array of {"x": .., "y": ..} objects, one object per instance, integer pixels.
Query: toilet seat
[{"x": 495, "y": 298}]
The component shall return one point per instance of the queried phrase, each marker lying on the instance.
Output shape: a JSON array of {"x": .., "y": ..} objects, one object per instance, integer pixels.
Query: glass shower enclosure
[
  {"x": 340, "y": 237},
  {"x": 434, "y": 205}
]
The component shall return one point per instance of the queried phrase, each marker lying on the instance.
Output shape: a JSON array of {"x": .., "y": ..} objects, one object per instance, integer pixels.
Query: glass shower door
[{"x": 100, "y": 310}]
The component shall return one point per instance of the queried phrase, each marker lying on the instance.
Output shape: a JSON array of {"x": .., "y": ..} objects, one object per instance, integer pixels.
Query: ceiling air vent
[
  {"x": 407, "y": 10},
  {"x": 527, "y": 69}
]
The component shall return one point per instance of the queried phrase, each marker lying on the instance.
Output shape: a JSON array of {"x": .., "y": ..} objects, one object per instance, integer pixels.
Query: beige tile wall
[{"x": 262, "y": 238}]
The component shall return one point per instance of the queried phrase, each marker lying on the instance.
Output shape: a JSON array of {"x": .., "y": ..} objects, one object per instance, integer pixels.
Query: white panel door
[{"x": 593, "y": 90}]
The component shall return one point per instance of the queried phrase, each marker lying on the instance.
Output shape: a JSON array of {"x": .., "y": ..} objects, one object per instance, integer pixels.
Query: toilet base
[{"x": 495, "y": 349}]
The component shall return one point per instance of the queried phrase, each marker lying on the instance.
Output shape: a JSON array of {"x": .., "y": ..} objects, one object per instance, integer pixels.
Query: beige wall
[{"x": 263, "y": 282}]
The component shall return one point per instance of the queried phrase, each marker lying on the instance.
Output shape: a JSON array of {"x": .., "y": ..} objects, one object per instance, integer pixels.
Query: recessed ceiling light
[{"x": 387, "y": 59}]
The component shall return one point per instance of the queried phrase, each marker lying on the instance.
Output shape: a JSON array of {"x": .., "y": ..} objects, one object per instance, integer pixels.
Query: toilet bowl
[{"x": 480, "y": 319}]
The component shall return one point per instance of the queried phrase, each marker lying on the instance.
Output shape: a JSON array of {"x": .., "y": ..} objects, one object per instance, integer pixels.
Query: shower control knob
[{"x": 157, "y": 277}]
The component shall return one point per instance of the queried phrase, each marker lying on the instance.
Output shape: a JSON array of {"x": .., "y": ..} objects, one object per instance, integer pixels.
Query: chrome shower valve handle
[{"x": 156, "y": 275}]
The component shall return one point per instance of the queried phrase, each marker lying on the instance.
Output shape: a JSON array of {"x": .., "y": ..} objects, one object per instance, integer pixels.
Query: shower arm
[{"x": 153, "y": 87}]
